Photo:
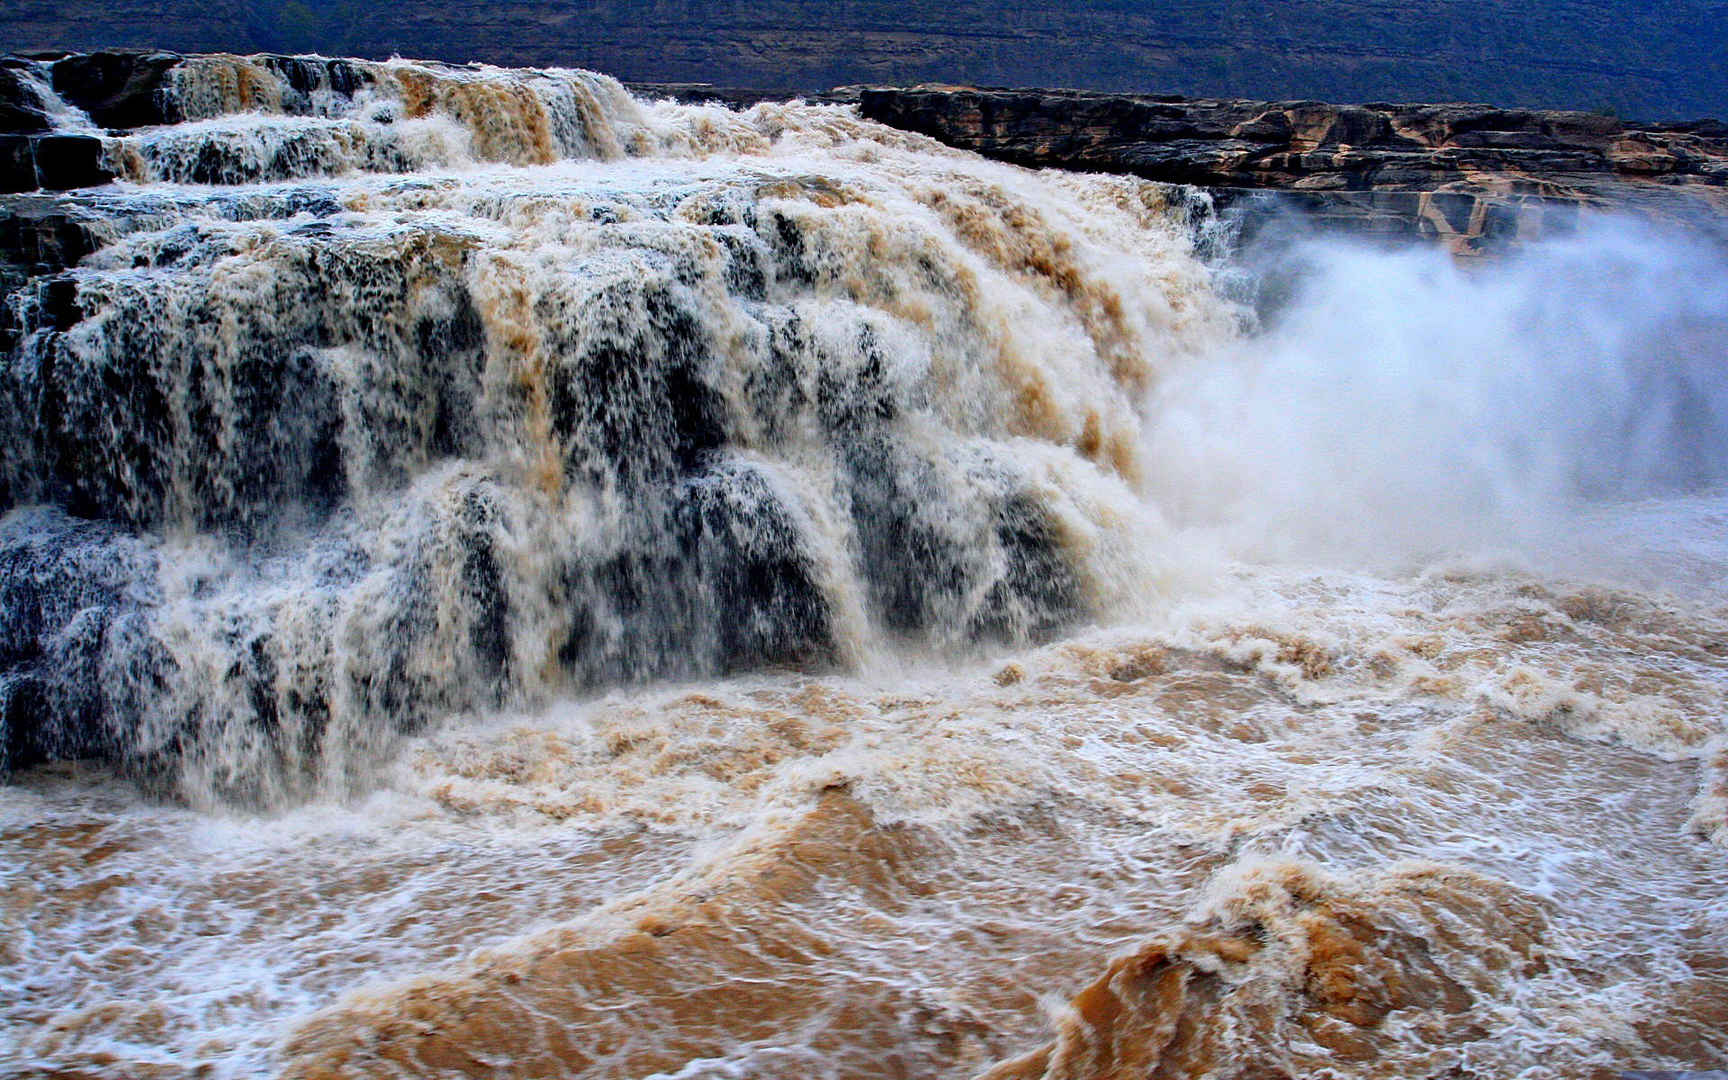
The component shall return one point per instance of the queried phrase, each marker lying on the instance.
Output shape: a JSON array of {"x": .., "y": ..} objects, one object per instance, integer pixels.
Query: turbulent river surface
[{"x": 503, "y": 579}]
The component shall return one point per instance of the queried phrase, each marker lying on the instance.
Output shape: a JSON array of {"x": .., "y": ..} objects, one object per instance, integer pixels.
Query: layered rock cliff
[
  {"x": 1663, "y": 58},
  {"x": 1476, "y": 177}
]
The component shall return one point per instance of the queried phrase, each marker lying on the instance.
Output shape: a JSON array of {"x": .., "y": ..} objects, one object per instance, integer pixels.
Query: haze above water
[{"x": 1137, "y": 682}]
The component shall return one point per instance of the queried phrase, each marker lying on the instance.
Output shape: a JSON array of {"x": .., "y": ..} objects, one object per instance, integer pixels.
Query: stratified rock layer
[{"x": 1475, "y": 176}]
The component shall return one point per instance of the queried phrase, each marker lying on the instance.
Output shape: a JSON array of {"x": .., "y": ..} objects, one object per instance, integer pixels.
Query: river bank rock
[{"x": 1475, "y": 177}]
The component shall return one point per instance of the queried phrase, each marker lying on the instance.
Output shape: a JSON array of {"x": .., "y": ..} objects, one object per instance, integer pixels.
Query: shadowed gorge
[{"x": 503, "y": 577}]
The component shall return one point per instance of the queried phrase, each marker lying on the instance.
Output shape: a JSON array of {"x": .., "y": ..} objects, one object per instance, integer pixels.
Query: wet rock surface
[
  {"x": 119, "y": 89},
  {"x": 51, "y": 163},
  {"x": 1477, "y": 178},
  {"x": 21, "y": 110},
  {"x": 469, "y": 475},
  {"x": 290, "y": 358}
]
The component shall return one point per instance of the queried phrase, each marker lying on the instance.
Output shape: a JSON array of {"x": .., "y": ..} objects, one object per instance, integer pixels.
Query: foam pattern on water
[
  {"x": 501, "y": 579},
  {"x": 437, "y": 441}
]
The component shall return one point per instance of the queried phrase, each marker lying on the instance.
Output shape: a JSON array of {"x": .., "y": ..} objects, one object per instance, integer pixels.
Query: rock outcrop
[
  {"x": 118, "y": 89},
  {"x": 1476, "y": 177},
  {"x": 1473, "y": 176},
  {"x": 51, "y": 162},
  {"x": 21, "y": 108}
]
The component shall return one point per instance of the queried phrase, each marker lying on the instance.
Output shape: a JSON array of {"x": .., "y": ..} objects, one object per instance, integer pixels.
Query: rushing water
[{"x": 504, "y": 579}]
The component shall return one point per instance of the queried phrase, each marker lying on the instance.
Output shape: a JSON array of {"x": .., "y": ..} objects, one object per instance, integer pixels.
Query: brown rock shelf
[{"x": 1476, "y": 177}]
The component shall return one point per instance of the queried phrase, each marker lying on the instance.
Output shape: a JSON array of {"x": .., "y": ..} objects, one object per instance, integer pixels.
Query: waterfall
[{"x": 397, "y": 390}]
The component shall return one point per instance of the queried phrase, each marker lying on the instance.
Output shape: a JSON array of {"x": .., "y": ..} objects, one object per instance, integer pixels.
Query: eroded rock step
[{"x": 1475, "y": 177}]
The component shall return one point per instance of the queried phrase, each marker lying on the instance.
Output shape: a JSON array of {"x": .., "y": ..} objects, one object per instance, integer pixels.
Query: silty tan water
[{"x": 504, "y": 579}]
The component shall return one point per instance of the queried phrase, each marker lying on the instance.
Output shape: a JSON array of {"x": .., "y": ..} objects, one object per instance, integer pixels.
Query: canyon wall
[
  {"x": 1663, "y": 59},
  {"x": 1475, "y": 177}
]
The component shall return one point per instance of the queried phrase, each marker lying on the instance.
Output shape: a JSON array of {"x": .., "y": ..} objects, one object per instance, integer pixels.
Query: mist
[{"x": 1399, "y": 404}]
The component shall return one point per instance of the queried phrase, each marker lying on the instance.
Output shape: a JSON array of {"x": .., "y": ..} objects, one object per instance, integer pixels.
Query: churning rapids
[{"x": 504, "y": 579}]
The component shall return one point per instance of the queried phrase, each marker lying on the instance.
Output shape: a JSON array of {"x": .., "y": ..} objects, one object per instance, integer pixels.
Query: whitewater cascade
[
  {"x": 397, "y": 390},
  {"x": 503, "y": 579}
]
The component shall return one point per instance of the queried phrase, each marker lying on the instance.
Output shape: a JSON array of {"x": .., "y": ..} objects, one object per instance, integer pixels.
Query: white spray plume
[{"x": 1399, "y": 404}]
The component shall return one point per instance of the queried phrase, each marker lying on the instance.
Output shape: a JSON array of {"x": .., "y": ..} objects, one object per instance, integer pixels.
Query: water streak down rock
[
  {"x": 383, "y": 392},
  {"x": 1478, "y": 178}
]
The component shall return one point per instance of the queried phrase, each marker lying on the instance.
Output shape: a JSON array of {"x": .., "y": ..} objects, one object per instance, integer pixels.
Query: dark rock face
[
  {"x": 37, "y": 239},
  {"x": 51, "y": 162},
  {"x": 21, "y": 111},
  {"x": 1301, "y": 144},
  {"x": 1473, "y": 176},
  {"x": 17, "y": 164},
  {"x": 1663, "y": 58},
  {"x": 119, "y": 89},
  {"x": 38, "y": 235},
  {"x": 64, "y": 162}
]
